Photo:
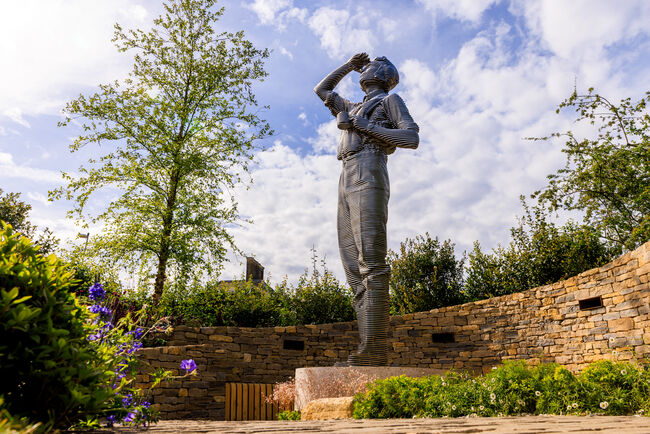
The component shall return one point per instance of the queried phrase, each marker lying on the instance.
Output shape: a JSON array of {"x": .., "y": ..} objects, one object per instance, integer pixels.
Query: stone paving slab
[{"x": 520, "y": 425}]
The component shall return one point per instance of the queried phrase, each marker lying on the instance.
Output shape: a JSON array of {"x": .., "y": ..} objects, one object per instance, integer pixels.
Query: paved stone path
[{"x": 520, "y": 425}]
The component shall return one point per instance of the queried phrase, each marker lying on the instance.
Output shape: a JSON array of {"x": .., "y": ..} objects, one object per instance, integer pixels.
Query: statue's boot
[{"x": 373, "y": 347}]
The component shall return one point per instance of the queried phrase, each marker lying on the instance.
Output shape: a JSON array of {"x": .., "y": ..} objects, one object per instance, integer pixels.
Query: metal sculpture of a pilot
[{"x": 371, "y": 130}]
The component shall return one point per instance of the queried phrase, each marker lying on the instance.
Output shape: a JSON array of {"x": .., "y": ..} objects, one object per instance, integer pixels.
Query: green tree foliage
[
  {"x": 15, "y": 212},
  {"x": 50, "y": 372},
  {"x": 540, "y": 253},
  {"x": 181, "y": 129},
  {"x": 425, "y": 275},
  {"x": 606, "y": 176}
]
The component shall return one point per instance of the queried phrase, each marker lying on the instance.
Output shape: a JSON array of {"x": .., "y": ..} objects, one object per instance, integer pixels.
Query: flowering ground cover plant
[
  {"x": 129, "y": 405},
  {"x": 514, "y": 388}
]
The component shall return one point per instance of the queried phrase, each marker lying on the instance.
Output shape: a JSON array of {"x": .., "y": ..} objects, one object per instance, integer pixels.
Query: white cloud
[
  {"x": 286, "y": 52},
  {"x": 277, "y": 12},
  {"x": 50, "y": 50},
  {"x": 39, "y": 197},
  {"x": 9, "y": 169},
  {"x": 463, "y": 10},
  {"x": 15, "y": 115},
  {"x": 581, "y": 29},
  {"x": 343, "y": 33},
  {"x": 293, "y": 206}
]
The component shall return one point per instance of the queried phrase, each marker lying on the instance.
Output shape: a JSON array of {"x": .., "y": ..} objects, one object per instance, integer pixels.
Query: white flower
[
  {"x": 444, "y": 384},
  {"x": 568, "y": 407},
  {"x": 494, "y": 368},
  {"x": 538, "y": 393},
  {"x": 481, "y": 408},
  {"x": 494, "y": 379},
  {"x": 604, "y": 405},
  {"x": 472, "y": 408},
  {"x": 623, "y": 372},
  {"x": 521, "y": 402},
  {"x": 453, "y": 407},
  {"x": 612, "y": 340},
  {"x": 574, "y": 405},
  {"x": 614, "y": 352},
  {"x": 493, "y": 396}
]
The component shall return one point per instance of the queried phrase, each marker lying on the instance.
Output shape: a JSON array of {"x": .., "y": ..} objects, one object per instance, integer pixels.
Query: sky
[{"x": 478, "y": 76}]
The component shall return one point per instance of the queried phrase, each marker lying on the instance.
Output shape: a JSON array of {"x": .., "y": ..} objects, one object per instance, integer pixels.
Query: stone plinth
[
  {"x": 335, "y": 382},
  {"x": 328, "y": 408}
]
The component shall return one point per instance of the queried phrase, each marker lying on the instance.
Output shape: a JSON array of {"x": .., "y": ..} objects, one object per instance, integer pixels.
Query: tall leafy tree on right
[{"x": 607, "y": 176}]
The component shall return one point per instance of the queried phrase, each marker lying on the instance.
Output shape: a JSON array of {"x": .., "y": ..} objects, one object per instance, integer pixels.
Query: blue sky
[{"x": 477, "y": 75}]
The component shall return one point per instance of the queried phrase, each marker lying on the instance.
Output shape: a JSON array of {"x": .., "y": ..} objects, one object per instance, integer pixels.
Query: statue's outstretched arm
[{"x": 355, "y": 63}]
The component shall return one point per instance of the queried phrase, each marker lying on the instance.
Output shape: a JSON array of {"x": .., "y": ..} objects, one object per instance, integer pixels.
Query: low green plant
[
  {"x": 289, "y": 415},
  {"x": 514, "y": 388}
]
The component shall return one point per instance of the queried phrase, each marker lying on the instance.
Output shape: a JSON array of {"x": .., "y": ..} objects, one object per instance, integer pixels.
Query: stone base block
[
  {"x": 328, "y": 408},
  {"x": 335, "y": 382}
]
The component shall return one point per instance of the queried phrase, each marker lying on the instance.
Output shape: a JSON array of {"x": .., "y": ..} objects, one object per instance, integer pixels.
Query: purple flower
[
  {"x": 188, "y": 365},
  {"x": 127, "y": 401},
  {"x": 104, "y": 311},
  {"x": 130, "y": 417},
  {"x": 97, "y": 292},
  {"x": 110, "y": 420},
  {"x": 146, "y": 404}
]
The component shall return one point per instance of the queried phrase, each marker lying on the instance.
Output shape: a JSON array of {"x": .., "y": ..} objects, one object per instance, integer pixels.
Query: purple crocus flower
[{"x": 188, "y": 365}]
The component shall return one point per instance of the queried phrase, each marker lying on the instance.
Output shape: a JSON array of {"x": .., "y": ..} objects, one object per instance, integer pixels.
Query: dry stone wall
[{"x": 601, "y": 313}]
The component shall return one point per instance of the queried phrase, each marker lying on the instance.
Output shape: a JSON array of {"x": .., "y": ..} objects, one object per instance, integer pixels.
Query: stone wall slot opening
[
  {"x": 293, "y": 344},
  {"x": 591, "y": 303},
  {"x": 443, "y": 338}
]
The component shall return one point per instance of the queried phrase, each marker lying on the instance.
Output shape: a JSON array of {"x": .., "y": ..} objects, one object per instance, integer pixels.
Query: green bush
[
  {"x": 540, "y": 253},
  {"x": 235, "y": 303},
  {"x": 318, "y": 298},
  {"x": 513, "y": 388},
  {"x": 50, "y": 372},
  {"x": 425, "y": 275}
]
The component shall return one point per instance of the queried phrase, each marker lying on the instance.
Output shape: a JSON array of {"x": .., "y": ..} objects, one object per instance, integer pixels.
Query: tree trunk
[
  {"x": 163, "y": 253},
  {"x": 161, "y": 274}
]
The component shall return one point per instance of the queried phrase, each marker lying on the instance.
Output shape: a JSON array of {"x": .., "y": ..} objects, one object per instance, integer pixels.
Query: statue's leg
[
  {"x": 368, "y": 210},
  {"x": 349, "y": 252}
]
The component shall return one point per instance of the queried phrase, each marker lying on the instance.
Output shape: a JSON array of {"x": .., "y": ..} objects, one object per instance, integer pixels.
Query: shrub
[
  {"x": 46, "y": 358},
  {"x": 540, "y": 253},
  {"x": 318, "y": 298},
  {"x": 425, "y": 275},
  {"x": 513, "y": 388}
]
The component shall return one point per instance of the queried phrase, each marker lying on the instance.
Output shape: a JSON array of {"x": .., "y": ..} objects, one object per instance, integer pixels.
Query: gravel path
[{"x": 527, "y": 424}]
